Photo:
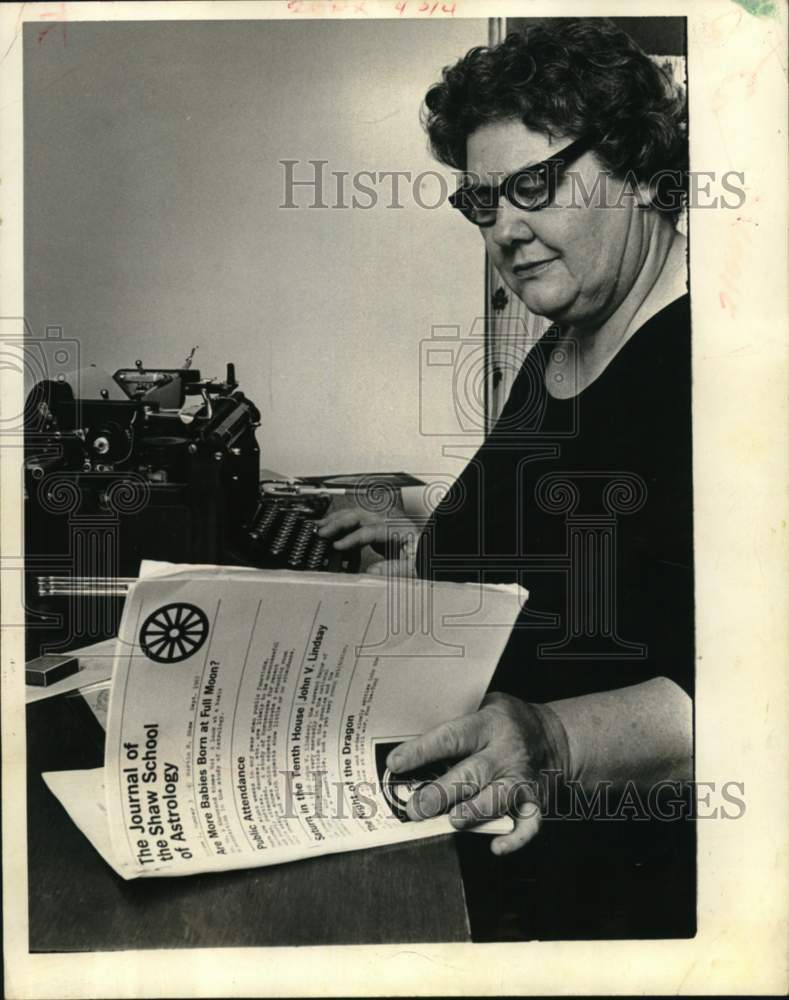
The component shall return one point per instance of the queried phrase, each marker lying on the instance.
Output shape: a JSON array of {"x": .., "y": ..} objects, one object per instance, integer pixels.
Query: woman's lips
[{"x": 533, "y": 267}]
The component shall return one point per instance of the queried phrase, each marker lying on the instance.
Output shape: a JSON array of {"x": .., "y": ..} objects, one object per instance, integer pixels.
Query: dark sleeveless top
[{"x": 586, "y": 502}]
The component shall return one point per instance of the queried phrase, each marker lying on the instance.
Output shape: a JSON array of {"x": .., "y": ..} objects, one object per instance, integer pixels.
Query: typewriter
[{"x": 167, "y": 468}]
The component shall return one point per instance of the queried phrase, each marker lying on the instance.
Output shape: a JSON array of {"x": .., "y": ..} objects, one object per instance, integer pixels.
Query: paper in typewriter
[{"x": 251, "y": 712}]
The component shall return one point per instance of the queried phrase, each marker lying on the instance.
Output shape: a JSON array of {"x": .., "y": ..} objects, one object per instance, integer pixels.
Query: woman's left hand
[{"x": 504, "y": 753}]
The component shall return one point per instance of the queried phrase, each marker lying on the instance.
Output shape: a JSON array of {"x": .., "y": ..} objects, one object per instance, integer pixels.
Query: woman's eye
[
  {"x": 529, "y": 186},
  {"x": 485, "y": 198}
]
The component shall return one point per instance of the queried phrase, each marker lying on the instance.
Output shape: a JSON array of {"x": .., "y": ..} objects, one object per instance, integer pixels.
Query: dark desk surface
[{"x": 403, "y": 893}]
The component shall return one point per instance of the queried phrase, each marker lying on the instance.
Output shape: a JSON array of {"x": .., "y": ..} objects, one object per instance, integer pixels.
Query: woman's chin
[{"x": 548, "y": 302}]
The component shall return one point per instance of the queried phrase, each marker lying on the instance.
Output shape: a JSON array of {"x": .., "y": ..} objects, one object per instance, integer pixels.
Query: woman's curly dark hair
[{"x": 572, "y": 77}]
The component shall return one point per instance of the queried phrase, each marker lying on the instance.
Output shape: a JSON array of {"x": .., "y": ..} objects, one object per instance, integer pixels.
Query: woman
[{"x": 573, "y": 150}]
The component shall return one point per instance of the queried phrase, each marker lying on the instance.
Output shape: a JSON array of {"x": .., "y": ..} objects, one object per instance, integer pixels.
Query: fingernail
[
  {"x": 427, "y": 801},
  {"x": 395, "y": 761}
]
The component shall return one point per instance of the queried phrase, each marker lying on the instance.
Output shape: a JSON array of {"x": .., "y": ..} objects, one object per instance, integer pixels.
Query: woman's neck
[{"x": 661, "y": 280}]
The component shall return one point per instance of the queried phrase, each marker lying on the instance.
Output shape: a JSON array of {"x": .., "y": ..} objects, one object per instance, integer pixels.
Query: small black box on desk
[{"x": 48, "y": 669}]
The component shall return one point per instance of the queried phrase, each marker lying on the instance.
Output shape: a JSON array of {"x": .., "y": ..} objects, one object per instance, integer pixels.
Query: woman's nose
[{"x": 512, "y": 223}]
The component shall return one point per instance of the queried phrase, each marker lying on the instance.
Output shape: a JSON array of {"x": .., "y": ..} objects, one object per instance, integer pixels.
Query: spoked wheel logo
[{"x": 173, "y": 633}]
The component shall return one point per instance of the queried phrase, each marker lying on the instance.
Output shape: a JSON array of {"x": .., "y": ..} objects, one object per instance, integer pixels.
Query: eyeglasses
[{"x": 532, "y": 188}]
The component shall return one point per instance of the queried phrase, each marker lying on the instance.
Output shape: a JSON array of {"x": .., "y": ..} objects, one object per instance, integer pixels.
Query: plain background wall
[{"x": 152, "y": 187}]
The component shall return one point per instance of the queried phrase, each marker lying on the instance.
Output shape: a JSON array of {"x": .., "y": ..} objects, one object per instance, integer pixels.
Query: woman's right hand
[{"x": 392, "y": 537}]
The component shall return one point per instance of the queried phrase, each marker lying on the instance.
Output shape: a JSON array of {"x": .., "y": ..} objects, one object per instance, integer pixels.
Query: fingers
[
  {"x": 353, "y": 528},
  {"x": 481, "y": 786},
  {"x": 508, "y": 796},
  {"x": 457, "y": 738},
  {"x": 340, "y": 521},
  {"x": 368, "y": 534},
  {"x": 494, "y": 800},
  {"x": 497, "y": 800},
  {"x": 462, "y": 781},
  {"x": 525, "y": 810},
  {"x": 527, "y": 826},
  {"x": 392, "y": 567}
]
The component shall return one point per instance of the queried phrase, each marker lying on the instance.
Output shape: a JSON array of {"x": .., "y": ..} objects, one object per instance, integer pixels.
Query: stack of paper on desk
[{"x": 251, "y": 713}]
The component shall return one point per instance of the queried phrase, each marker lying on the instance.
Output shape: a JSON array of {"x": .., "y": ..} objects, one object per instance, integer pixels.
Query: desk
[{"x": 398, "y": 894}]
